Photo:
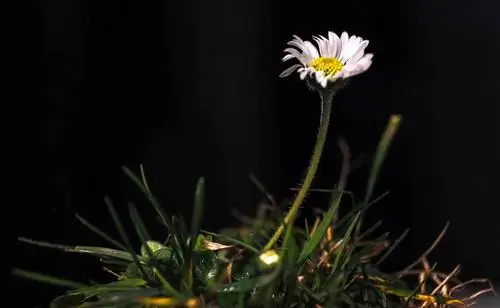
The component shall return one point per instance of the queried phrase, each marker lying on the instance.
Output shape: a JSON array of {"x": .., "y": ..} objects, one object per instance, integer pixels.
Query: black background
[{"x": 190, "y": 88}]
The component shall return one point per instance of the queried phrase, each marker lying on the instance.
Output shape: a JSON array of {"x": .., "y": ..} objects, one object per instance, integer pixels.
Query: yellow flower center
[{"x": 329, "y": 66}]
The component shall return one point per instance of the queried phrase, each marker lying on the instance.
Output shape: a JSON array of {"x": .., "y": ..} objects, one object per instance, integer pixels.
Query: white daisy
[{"x": 335, "y": 58}]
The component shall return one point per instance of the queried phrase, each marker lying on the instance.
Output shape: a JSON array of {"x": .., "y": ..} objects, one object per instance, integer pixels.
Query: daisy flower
[{"x": 335, "y": 58}]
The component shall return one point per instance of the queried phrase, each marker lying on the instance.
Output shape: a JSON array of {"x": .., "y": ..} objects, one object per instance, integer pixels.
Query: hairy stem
[{"x": 326, "y": 107}]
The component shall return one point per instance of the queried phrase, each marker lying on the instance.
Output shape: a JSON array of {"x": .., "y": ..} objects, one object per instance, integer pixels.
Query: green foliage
[{"x": 328, "y": 264}]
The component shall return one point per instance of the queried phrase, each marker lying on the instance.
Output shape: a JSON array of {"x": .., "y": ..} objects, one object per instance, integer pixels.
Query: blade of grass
[
  {"x": 143, "y": 178},
  {"x": 165, "y": 219},
  {"x": 345, "y": 241},
  {"x": 139, "y": 225},
  {"x": 97, "y": 231},
  {"x": 380, "y": 154},
  {"x": 90, "y": 250},
  {"x": 319, "y": 234},
  {"x": 45, "y": 244},
  {"x": 199, "y": 202},
  {"x": 47, "y": 279},
  {"x": 126, "y": 240}
]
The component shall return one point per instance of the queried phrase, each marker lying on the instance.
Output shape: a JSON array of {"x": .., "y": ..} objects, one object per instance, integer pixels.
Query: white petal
[
  {"x": 344, "y": 38},
  {"x": 324, "y": 82},
  {"x": 303, "y": 74},
  {"x": 299, "y": 43},
  {"x": 321, "y": 46},
  {"x": 319, "y": 76},
  {"x": 358, "y": 54},
  {"x": 290, "y": 70},
  {"x": 312, "y": 50},
  {"x": 359, "y": 67},
  {"x": 334, "y": 44},
  {"x": 294, "y": 53}
]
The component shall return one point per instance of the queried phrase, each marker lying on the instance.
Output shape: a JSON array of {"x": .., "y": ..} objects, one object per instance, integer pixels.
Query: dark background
[{"x": 190, "y": 88}]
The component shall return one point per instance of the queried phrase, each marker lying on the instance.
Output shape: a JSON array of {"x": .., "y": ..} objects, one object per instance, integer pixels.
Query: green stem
[{"x": 326, "y": 107}]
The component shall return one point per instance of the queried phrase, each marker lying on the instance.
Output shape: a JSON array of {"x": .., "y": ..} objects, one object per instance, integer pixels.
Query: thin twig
[
  {"x": 370, "y": 230},
  {"x": 427, "y": 252},
  {"x": 479, "y": 293},
  {"x": 464, "y": 284},
  {"x": 453, "y": 273}
]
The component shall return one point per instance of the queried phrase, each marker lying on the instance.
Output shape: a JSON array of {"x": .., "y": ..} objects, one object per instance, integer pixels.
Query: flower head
[{"x": 335, "y": 58}]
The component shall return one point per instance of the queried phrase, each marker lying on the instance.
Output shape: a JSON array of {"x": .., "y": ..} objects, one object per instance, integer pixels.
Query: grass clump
[{"x": 328, "y": 263}]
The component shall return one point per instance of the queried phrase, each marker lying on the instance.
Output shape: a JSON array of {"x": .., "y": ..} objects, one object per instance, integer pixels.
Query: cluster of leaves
[{"x": 329, "y": 263}]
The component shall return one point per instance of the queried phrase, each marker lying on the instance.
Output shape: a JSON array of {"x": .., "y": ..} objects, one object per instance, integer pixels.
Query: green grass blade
[
  {"x": 199, "y": 203},
  {"x": 318, "y": 235},
  {"x": 126, "y": 240},
  {"x": 145, "y": 190},
  {"x": 45, "y": 244},
  {"x": 289, "y": 250},
  {"x": 47, "y": 279},
  {"x": 345, "y": 240},
  {"x": 97, "y": 231},
  {"x": 143, "y": 178},
  {"x": 178, "y": 238},
  {"x": 381, "y": 153},
  {"x": 139, "y": 225},
  {"x": 196, "y": 219},
  {"x": 165, "y": 219},
  {"x": 88, "y": 250},
  {"x": 104, "y": 252}
]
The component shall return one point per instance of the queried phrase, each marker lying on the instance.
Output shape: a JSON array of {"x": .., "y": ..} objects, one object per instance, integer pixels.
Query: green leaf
[{"x": 313, "y": 242}]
